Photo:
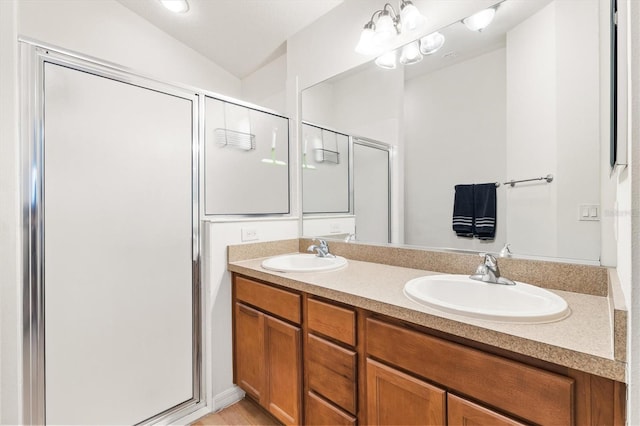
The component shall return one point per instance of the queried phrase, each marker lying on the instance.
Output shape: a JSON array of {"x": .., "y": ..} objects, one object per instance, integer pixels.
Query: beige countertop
[{"x": 583, "y": 341}]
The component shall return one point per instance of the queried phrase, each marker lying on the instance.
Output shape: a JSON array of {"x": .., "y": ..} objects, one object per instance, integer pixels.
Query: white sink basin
[
  {"x": 459, "y": 294},
  {"x": 301, "y": 262}
]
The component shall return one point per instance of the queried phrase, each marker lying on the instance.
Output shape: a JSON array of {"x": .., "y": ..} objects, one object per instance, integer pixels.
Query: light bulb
[
  {"x": 411, "y": 18},
  {"x": 176, "y": 6},
  {"x": 387, "y": 60},
  {"x": 431, "y": 43},
  {"x": 481, "y": 20},
  {"x": 411, "y": 54},
  {"x": 366, "y": 45},
  {"x": 385, "y": 29}
]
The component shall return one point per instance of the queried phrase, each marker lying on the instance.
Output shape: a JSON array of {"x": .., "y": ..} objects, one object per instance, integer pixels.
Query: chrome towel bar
[{"x": 548, "y": 178}]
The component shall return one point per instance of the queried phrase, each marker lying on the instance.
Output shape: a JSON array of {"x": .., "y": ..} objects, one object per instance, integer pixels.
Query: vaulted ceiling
[{"x": 238, "y": 35}]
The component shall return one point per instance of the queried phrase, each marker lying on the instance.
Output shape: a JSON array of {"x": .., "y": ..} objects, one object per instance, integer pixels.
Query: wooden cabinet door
[
  {"x": 465, "y": 413},
  {"x": 249, "y": 353},
  {"x": 395, "y": 398},
  {"x": 284, "y": 370}
]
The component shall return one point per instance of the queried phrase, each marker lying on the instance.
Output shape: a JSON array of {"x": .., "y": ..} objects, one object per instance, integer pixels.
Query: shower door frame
[
  {"x": 33, "y": 56},
  {"x": 390, "y": 150}
]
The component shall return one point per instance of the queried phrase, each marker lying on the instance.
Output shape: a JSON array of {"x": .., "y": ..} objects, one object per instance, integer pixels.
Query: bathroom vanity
[{"x": 347, "y": 347}]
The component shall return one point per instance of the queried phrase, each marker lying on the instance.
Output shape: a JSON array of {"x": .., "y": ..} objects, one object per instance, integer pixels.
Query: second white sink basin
[
  {"x": 460, "y": 294},
  {"x": 301, "y": 262}
]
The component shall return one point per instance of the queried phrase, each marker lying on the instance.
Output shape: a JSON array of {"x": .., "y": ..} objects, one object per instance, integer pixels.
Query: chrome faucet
[
  {"x": 489, "y": 272},
  {"x": 506, "y": 251},
  {"x": 322, "y": 249}
]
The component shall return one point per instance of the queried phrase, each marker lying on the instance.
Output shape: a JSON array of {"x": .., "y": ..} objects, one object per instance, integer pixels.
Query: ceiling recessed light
[{"x": 176, "y": 6}]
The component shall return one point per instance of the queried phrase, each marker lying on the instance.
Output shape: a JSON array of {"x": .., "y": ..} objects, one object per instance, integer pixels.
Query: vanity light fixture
[
  {"x": 388, "y": 28},
  {"x": 387, "y": 60},
  {"x": 387, "y": 25},
  {"x": 481, "y": 20},
  {"x": 410, "y": 18},
  {"x": 431, "y": 43},
  {"x": 410, "y": 53},
  {"x": 176, "y": 6}
]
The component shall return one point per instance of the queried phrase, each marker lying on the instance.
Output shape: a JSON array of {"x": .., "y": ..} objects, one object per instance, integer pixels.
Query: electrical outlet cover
[{"x": 249, "y": 234}]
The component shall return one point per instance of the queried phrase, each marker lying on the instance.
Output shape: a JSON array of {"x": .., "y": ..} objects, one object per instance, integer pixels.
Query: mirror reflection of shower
[{"x": 272, "y": 159}]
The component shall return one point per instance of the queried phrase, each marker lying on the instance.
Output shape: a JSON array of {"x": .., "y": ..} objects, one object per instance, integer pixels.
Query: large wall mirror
[
  {"x": 525, "y": 98},
  {"x": 325, "y": 164}
]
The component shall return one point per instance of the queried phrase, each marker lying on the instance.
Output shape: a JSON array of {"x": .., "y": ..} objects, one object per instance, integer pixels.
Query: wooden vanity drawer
[
  {"x": 531, "y": 393},
  {"x": 320, "y": 412},
  {"x": 332, "y": 321},
  {"x": 281, "y": 303},
  {"x": 331, "y": 372}
]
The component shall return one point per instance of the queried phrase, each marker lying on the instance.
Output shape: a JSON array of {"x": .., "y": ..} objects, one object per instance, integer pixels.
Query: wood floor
[{"x": 245, "y": 412}]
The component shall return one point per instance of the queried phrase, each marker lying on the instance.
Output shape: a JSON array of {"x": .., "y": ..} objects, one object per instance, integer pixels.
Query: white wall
[
  {"x": 370, "y": 104},
  {"x": 440, "y": 153},
  {"x": 267, "y": 86},
  {"x": 578, "y": 131},
  {"x": 531, "y": 132},
  {"x": 217, "y": 281},
  {"x": 334, "y": 226},
  {"x": 107, "y": 30},
  {"x": 316, "y": 104},
  {"x": 10, "y": 247},
  {"x": 553, "y": 118}
]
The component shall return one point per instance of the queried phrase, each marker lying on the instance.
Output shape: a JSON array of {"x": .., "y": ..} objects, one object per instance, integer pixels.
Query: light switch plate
[{"x": 589, "y": 212}]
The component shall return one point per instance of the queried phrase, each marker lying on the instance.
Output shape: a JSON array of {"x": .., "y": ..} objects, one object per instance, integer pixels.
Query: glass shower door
[{"x": 120, "y": 268}]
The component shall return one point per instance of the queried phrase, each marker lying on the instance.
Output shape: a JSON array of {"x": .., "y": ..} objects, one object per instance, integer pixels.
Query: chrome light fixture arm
[{"x": 395, "y": 16}]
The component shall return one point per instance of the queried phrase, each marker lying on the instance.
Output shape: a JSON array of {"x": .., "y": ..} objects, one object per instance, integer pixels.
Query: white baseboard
[
  {"x": 220, "y": 401},
  {"x": 227, "y": 397}
]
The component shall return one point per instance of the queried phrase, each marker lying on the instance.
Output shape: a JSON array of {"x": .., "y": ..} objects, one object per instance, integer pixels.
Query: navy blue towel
[
  {"x": 463, "y": 211},
  {"x": 484, "y": 201}
]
